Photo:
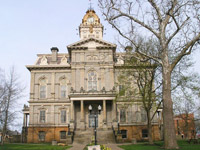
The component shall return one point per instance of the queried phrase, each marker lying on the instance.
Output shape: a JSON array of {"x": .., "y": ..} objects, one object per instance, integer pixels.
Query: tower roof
[{"x": 90, "y": 17}]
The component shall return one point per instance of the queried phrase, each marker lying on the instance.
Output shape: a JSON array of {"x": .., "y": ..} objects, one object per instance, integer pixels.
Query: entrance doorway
[{"x": 92, "y": 120}]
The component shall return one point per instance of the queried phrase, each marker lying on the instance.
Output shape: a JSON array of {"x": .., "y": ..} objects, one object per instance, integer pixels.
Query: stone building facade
[{"x": 65, "y": 85}]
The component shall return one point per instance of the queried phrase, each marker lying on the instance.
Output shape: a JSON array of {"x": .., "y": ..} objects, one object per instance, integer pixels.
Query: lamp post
[
  {"x": 69, "y": 133},
  {"x": 95, "y": 124},
  {"x": 118, "y": 131}
]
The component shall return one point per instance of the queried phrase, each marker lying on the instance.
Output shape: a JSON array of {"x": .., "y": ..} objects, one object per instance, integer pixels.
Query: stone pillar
[
  {"x": 32, "y": 91},
  {"x": 53, "y": 85},
  {"x": 82, "y": 110},
  {"x": 72, "y": 111},
  {"x": 82, "y": 123},
  {"x": 104, "y": 111},
  {"x": 114, "y": 111},
  {"x": 24, "y": 121}
]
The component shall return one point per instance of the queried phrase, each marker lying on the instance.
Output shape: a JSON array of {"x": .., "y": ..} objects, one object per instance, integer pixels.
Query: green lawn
[
  {"x": 158, "y": 146},
  {"x": 32, "y": 147}
]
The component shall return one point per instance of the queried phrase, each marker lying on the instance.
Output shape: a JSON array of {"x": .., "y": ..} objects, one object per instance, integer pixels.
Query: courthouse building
[{"x": 64, "y": 86}]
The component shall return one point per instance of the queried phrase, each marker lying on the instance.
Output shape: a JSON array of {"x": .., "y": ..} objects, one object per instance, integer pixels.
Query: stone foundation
[
  {"x": 135, "y": 132},
  {"x": 52, "y": 133}
]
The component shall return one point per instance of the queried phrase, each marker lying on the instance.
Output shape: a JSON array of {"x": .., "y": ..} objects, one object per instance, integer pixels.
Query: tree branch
[
  {"x": 122, "y": 14},
  {"x": 184, "y": 51}
]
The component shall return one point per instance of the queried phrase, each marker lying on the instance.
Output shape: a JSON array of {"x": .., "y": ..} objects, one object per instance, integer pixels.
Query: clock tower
[{"x": 91, "y": 26}]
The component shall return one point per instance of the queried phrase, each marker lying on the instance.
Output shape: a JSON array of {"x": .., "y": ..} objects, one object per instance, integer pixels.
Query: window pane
[
  {"x": 41, "y": 135},
  {"x": 92, "y": 81},
  {"x": 62, "y": 134},
  {"x": 43, "y": 91},
  {"x": 42, "y": 116},
  {"x": 122, "y": 115},
  {"x": 144, "y": 133},
  {"x": 124, "y": 134},
  {"x": 143, "y": 115},
  {"x": 63, "y": 116},
  {"x": 63, "y": 91}
]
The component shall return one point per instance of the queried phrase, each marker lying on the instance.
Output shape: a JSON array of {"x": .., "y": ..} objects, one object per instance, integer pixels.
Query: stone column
[
  {"x": 114, "y": 111},
  {"x": 72, "y": 111},
  {"x": 82, "y": 110},
  {"x": 104, "y": 111},
  {"x": 53, "y": 85},
  {"x": 32, "y": 91},
  {"x": 24, "y": 122}
]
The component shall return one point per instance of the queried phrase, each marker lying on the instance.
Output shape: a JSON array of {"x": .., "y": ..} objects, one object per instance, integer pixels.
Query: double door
[{"x": 92, "y": 120}]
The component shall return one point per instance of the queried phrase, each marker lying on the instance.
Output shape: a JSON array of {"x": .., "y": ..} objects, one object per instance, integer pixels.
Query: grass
[
  {"x": 32, "y": 147},
  {"x": 184, "y": 145}
]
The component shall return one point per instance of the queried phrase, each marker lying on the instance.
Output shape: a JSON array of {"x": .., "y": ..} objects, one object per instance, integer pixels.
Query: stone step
[
  {"x": 105, "y": 137},
  {"x": 85, "y": 137}
]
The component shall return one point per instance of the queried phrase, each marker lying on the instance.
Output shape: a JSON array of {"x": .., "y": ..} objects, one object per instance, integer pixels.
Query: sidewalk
[{"x": 77, "y": 146}]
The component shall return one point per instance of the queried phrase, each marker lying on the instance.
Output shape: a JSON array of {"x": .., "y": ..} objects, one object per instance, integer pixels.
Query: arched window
[
  {"x": 43, "y": 87},
  {"x": 92, "y": 81}
]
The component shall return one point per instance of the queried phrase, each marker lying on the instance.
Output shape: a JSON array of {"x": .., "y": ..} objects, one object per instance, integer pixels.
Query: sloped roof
[{"x": 81, "y": 44}]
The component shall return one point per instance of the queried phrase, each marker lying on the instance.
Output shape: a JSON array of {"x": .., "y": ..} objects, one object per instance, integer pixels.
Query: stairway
[
  {"x": 86, "y": 137},
  {"x": 105, "y": 137},
  {"x": 83, "y": 137}
]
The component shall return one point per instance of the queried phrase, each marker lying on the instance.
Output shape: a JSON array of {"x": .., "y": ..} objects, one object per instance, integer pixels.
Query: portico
[{"x": 82, "y": 119}]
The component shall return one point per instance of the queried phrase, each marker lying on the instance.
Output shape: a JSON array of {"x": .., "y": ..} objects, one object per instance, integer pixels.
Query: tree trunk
[
  {"x": 149, "y": 128},
  {"x": 170, "y": 141}
]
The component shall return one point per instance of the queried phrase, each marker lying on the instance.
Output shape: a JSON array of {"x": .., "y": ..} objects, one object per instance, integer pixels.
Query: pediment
[{"x": 91, "y": 43}]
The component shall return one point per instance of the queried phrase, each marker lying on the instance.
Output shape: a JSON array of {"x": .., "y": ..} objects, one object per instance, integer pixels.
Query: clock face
[{"x": 90, "y": 20}]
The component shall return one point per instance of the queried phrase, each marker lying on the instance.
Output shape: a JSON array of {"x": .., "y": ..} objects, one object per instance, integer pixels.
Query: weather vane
[{"x": 90, "y": 5}]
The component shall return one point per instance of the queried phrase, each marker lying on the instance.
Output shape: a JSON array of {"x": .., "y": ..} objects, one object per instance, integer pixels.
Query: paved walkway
[{"x": 77, "y": 146}]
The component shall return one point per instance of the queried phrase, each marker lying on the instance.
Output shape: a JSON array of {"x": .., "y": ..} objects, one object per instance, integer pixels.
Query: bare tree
[
  {"x": 12, "y": 92},
  {"x": 174, "y": 24}
]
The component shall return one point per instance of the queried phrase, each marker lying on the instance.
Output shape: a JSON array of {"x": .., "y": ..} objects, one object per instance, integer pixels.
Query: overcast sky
[{"x": 31, "y": 27}]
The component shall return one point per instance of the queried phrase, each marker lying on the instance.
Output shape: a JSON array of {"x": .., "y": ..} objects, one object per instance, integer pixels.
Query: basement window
[
  {"x": 124, "y": 134},
  {"x": 62, "y": 134},
  {"x": 144, "y": 133},
  {"x": 41, "y": 136}
]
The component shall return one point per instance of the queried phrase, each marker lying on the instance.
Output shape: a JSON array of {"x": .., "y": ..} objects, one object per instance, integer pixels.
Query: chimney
[{"x": 54, "y": 51}]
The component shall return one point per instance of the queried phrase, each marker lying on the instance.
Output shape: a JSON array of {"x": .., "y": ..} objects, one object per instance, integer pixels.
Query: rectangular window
[
  {"x": 121, "y": 90},
  {"x": 62, "y": 134},
  {"x": 63, "y": 91},
  {"x": 42, "y": 116},
  {"x": 43, "y": 91},
  {"x": 124, "y": 134},
  {"x": 144, "y": 133},
  {"x": 41, "y": 136},
  {"x": 63, "y": 116},
  {"x": 143, "y": 117},
  {"x": 122, "y": 115}
]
